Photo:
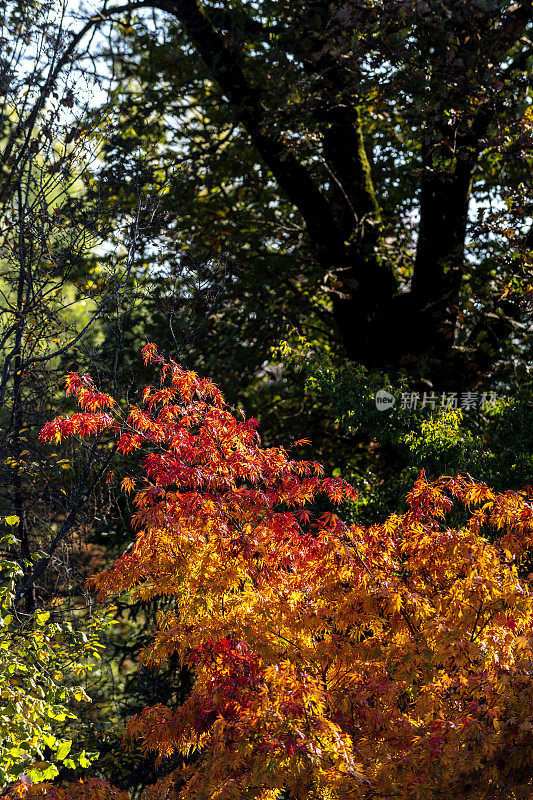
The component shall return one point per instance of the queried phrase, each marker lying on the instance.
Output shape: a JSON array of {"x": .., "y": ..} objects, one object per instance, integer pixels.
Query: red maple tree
[{"x": 329, "y": 660}]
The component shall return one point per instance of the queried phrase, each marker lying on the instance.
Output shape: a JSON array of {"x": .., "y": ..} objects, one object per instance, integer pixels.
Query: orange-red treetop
[{"x": 330, "y": 660}]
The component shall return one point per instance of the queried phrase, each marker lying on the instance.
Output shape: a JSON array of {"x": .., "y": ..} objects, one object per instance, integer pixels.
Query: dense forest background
[{"x": 307, "y": 202}]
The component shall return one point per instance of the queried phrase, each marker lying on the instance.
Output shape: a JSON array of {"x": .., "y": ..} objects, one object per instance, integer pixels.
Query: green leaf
[
  {"x": 45, "y": 773},
  {"x": 63, "y": 750},
  {"x": 49, "y": 740}
]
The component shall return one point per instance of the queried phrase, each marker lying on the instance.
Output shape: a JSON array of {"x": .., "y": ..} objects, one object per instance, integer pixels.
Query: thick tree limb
[
  {"x": 293, "y": 178},
  {"x": 445, "y": 196}
]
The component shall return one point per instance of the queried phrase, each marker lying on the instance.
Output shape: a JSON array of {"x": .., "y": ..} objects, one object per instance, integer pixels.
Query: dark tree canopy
[{"x": 338, "y": 152}]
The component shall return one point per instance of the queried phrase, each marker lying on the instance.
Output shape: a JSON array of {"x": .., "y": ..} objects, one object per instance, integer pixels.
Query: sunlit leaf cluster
[{"x": 43, "y": 665}]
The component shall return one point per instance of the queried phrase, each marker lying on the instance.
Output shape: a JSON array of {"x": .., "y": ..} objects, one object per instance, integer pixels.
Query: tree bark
[{"x": 438, "y": 268}]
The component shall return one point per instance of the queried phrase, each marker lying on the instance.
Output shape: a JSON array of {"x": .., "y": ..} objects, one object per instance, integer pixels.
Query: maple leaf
[
  {"x": 127, "y": 485},
  {"x": 149, "y": 353}
]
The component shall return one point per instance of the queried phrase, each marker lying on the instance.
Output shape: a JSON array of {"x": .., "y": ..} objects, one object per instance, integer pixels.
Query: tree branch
[
  {"x": 82, "y": 494},
  {"x": 27, "y": 124},
  {"x": 293, "y": 178}
]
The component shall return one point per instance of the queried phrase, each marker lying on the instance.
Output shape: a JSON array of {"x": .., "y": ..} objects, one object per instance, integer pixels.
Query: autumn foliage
[
  {"x": 329, "y": 660},
  {"x": 91, "y": 789}
]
